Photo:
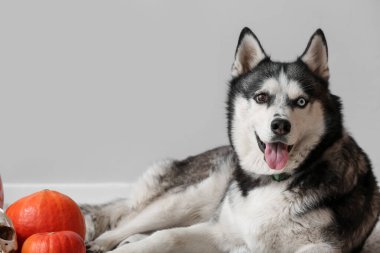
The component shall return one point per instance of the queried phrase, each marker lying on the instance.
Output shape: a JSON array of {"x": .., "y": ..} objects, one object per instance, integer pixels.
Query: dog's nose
[{"x": 280, "y": 126}]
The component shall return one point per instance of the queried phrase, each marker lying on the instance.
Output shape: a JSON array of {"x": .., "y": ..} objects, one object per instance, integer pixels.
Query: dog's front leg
[
  {"x": 201, "y": 237},
  {"x": 241, "y": 249},
  {"x": 318, "y": 248}
]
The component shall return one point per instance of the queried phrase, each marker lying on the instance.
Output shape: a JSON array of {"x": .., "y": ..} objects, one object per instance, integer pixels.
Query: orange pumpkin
[
  {"x": 54, "y": 242},
  {"x": 45, "y": 211}
]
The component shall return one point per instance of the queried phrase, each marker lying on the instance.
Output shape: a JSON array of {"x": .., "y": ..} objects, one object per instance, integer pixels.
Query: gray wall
[{"x": 95, "y": 91}]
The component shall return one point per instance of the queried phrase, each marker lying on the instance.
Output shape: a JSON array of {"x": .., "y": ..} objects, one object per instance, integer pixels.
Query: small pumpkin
[
  {"x": 45, "y": 211},
  {"x": 54, "y": 242}
]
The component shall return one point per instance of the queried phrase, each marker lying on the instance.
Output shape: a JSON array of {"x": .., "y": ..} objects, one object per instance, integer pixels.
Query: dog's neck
[{"x": 280, "y": 177}]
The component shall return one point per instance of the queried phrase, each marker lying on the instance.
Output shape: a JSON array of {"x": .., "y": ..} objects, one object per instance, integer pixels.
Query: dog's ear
[
  {"x": 248, "y": 53},
  {"x": 315, "y": 55}
]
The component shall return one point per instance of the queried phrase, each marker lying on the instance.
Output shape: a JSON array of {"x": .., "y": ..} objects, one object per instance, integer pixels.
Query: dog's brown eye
[{"x": 261, "y": 98}]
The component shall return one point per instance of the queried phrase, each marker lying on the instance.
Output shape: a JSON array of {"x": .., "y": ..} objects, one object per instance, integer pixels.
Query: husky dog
[{"x": 292, "y": 179}]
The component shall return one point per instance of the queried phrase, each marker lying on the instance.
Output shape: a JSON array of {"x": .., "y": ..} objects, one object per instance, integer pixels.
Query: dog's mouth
[{"x": 276, "y": 154}]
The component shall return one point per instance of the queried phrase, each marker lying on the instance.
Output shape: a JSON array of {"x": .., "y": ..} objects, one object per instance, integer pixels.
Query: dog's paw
[
  {"x": 133, "y": 238},
  {"x": 99, "y": 246},
  {"x": 104, "y": 243},
  {"x": 91, "y": 247}
]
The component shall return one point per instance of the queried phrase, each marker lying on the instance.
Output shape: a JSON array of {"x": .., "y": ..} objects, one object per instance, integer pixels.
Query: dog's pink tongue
[{"x": 276, "y": 155}]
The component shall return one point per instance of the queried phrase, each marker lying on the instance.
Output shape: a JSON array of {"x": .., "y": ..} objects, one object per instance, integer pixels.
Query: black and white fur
[{"x": 226, "y": 199}]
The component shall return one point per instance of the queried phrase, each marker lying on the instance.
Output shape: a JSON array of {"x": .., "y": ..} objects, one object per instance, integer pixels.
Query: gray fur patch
[{"x": 194, "y": 169}]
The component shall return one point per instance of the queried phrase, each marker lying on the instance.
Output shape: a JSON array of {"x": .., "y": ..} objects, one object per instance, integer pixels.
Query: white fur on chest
[
  {"x": 265, "y": 221},
  {"x": 248, "y": 218}
]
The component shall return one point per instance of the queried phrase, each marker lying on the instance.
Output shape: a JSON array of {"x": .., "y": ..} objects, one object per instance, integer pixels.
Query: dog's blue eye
[
  {"x": 301, "y": 102},
  {"x": 261, "y": 98}
]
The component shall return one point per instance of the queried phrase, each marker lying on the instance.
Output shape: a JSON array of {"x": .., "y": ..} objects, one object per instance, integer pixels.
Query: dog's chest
[{"x": 262, "y": 218}]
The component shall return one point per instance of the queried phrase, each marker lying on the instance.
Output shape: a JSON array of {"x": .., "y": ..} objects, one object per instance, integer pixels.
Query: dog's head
[{"x": 278, "y": 112}]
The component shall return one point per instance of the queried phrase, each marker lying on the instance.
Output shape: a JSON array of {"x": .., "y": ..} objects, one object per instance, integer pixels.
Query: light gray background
[{"x": 95, "y": 91}]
